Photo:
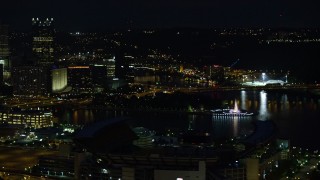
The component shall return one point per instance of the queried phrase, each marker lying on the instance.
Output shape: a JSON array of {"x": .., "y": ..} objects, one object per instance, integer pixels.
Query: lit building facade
[
  {"x": 29, "y": 80},
  {"x": 43, "y": 41},
  {"x": 111, "y": 67},
  {"x": 4, "y": 50},
  {"x": 75, "y": 80},
  {"x": 59, "y": 79},
  {"x": 34, "y": 119}
]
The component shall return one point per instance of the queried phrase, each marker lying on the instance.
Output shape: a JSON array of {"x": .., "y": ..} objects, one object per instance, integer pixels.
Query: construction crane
[{"x": 234, "y": 63}]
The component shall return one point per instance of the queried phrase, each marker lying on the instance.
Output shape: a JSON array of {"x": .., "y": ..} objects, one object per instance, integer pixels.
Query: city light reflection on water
[
  {"x": 243, "y": 99},
  {"x": 295, "y": 114},
  {"x": 235, "y": 126},
  {"x": 263, "y": 111},
  {"x": 291, "y": 112}
]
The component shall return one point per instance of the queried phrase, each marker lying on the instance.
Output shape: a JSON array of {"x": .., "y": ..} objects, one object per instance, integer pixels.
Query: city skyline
[
  {"x": 100, "y": 16},
  {"x": 153, "y": 90}
]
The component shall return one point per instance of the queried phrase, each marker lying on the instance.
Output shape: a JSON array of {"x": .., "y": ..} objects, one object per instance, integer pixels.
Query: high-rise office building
[
  {"x": 43, "y": 47},
  {"x": 103, "y": 73},
  {"x": 80, "y": 79},
  {"x": 43, "y": 41},
  {"x": 99, "y": 77},
  {"x": 73, "y": 80},
  {"x": 59, "y": 79},
  {"x": 121, "y": 65},
  {"x": 111, "y": 67},
  {"x": 29, "y": 80},
  {"x": 106, "y": 69},
  {"x": 4, "y": 50},
  {"x": 1, "y": 74}
]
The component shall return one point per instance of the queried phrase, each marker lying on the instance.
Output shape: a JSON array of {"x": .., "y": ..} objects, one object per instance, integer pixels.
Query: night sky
[{"x": 96, "y": 15}]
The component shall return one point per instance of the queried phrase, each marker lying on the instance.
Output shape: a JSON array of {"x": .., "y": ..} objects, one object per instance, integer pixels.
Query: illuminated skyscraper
[
  {"x": 59, "y": 79},
  {"x": 111, "y": 67},
  {"x": 4, "y": 50},
  {"x": 43, "y": 47},
  {"x": 43, "y": 41}
]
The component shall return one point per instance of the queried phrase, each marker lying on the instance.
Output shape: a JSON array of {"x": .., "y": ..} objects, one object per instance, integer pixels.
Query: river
[{"x": 296, "y": 115}]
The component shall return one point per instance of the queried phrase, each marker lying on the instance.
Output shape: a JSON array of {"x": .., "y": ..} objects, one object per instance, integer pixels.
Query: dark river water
[{"x": 296, "y": 115}]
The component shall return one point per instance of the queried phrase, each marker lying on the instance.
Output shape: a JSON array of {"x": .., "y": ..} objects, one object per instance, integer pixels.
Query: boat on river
[{"x": 231, "y": 112}]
